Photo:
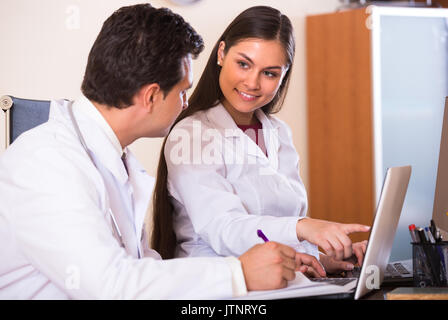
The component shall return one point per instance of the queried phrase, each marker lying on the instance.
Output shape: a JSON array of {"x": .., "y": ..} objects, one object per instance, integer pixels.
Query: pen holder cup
[{"x": 430, "y": 262}]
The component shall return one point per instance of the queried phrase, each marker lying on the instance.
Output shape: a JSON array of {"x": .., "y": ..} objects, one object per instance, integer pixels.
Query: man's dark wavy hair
[{"x": 138, "y": 45}]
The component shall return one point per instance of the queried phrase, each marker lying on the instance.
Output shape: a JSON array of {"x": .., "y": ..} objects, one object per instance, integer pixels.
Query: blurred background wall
[{"x": 45, "y": 44}]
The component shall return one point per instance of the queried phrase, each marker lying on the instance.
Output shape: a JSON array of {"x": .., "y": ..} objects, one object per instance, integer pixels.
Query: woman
[{"x": 216, "y": 185}]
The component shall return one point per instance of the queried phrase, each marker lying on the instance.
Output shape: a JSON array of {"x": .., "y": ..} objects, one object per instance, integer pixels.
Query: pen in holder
[{"x": 430, "y": 264}]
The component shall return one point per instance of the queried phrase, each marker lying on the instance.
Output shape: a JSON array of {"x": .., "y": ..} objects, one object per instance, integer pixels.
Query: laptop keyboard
[
  {"x": 341, "y": 279},
  {"x": 396, "y": 270},
  {"x": 393, "y": 270},
  {"x": 355, "y": 273},
  {"x": 334, "y": 281}
]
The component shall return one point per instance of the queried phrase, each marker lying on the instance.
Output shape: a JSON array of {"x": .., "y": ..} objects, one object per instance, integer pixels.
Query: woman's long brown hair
[{"x": 260, "y": 22}]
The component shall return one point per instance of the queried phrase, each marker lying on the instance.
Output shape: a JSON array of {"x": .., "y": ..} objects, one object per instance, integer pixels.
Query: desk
[{"x": 380, "y": 294}]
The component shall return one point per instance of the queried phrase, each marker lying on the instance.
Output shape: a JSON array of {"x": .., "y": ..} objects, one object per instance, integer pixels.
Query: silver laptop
[
  {"x": 383, "y": 230},
  {"x": 377, "y": 253}
]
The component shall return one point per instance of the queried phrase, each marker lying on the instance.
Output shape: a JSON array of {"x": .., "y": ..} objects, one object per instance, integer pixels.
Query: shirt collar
[
  {"x": 221, "y": 119},
  {"x": 219, "y": 116},
  {"x": 85, "y": 106}
]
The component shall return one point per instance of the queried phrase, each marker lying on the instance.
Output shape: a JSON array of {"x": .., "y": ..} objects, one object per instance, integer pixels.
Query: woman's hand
[
  {"x": 332, "y": 237},
  {"x": 359, "y": 251},
  {"x": 337, "y": 266}
]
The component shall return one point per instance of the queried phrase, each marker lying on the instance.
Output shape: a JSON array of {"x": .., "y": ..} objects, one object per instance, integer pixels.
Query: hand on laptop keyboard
[
  {"x": 332, "y": 237},
  {"x": 340, "y": 279},
  {"x": 333, "y": 266}
]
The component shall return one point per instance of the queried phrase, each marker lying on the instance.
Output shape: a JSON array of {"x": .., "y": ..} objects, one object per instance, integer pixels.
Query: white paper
[{"x": 301, "y": 286}]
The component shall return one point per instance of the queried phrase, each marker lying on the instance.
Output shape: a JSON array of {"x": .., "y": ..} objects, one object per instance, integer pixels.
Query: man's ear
[{"x": 150, "y": 95}]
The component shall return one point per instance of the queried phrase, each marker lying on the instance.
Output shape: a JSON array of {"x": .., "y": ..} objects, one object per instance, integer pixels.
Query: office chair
[{"x": 22, "y": 115}]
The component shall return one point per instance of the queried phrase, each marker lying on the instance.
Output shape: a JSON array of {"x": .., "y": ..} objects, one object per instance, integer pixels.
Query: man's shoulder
[
  {"x": 41, "y": 143},
  {"x": 51, "y": 134}
]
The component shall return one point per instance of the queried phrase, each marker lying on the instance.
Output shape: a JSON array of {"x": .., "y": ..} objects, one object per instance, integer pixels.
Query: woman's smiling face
[{"x": 251, "y": 74}]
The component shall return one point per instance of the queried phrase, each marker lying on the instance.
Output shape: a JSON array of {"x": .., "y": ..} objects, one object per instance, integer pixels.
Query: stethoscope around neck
[{"x": 116, "y": 229}]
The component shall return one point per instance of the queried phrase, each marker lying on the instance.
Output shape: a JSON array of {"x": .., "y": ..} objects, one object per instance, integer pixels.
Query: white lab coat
[
  {"x": 224, "y": 188},
  {"x": 56, "y": 233}
]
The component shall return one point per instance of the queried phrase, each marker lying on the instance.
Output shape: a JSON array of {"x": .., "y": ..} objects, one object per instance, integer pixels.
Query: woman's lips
[{"x": 246, "y": 96}]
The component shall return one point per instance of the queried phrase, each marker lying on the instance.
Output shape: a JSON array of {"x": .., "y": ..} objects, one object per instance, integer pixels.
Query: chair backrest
[{"x": 22, "y": 115}]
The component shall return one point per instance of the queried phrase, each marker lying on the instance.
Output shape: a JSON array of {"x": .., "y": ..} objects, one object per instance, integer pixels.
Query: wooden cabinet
[{"x": 339, "y": 99}]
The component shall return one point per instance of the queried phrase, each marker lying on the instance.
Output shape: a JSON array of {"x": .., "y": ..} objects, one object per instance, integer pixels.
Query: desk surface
[
  {"x": 378, "y": 294},
  {"x": 387, "y": 287}
]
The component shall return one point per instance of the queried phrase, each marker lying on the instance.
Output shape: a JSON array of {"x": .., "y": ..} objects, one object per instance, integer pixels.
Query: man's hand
[
  {"x": 309, "y": 265},
  {"x": 333, "y": 266},
  {"x": 332, "y": 237},
  {"x": 268, "y": 266}
]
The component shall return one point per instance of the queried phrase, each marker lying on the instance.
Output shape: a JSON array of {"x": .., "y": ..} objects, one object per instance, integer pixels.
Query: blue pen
[
  {"x": 439, "y": 250},
  {"x": 262, "y": 236}
]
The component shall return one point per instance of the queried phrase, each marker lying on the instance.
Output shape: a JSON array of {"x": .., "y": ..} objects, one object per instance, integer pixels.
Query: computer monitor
[{"x": 440, "y": 210}]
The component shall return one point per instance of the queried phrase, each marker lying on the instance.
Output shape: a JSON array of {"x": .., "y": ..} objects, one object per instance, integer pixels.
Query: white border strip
[{"x": 411, "y": 12}]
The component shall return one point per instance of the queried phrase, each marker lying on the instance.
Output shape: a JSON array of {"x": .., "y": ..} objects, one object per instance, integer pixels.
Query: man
[{"x": 73, "y": 197}]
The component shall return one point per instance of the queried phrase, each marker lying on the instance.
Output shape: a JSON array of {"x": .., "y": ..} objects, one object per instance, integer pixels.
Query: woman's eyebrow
[{"x": 250, "y": 60}]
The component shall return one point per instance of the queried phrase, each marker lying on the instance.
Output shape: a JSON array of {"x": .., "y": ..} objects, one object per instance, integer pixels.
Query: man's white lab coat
[{"x": 56, "y": 235}]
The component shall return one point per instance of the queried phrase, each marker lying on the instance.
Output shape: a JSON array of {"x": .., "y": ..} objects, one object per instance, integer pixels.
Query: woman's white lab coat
[
  {"x": 224, "y": 188},
  {"x": 56, "y": 234}
]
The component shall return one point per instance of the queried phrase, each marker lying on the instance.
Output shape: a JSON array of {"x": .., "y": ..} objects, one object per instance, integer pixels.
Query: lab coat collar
[
  {"x": 87, "y": 107},
  {"x": 102, "y": 141},
  {"x": 138, "y": 182},
  {"x": 223, "y": 121},
  {"x": 100, "y": 138},
  {"x": 143, "y": 185},
  {"x": 94, "y": 132},
  {"x": 271, "y": 137}
]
